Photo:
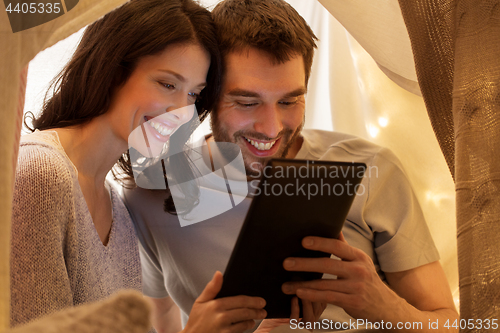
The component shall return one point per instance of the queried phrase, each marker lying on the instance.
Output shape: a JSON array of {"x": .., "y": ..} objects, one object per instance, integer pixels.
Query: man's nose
[{"x": 269, "y": 121}]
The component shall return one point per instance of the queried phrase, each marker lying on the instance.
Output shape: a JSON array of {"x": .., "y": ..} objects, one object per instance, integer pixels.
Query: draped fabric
[
  {"x": 23, "y": 77},
  {"x": 430, "y": 24},
  {"x": 363, "y": 82},
  {"x": 125, "y": 312},
  {"x": 5, "y": 227},
  {"x": 457, "y": 54},
  {"x": 374, "y": 95},
  {"x": 16, "y": 50}
]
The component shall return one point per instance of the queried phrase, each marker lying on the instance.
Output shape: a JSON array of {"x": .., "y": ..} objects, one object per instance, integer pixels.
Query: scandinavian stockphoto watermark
[
  {"x": 301, "y": 176},
  {"x": 28, "y": 14},
  {"x": 363, "y": 324},
  {"x": 215, "y": 173},
  {"x": 355, "y": 324},
  {"x": 161, "y": 158}
]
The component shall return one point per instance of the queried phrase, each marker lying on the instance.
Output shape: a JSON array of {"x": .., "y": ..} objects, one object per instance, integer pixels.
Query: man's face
[{"x": 261, "y": 107}]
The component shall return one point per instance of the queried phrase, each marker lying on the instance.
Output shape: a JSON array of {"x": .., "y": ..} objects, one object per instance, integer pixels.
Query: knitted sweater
[{"x": 57, "y": 257}]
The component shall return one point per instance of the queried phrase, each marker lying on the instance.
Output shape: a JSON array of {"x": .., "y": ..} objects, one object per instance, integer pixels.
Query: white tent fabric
[{"x": 16, "y": 50}]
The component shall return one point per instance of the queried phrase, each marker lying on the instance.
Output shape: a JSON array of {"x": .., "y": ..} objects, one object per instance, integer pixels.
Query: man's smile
[
  {"x": 262, "y": 148},
  {"x": 261, "y": 145}
]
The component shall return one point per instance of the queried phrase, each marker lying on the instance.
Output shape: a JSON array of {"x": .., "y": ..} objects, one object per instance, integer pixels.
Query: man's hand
[
  {"x": 361, "y": 293},
  {"x": 357, "y": 289},
  {"x": 223, "y": 315},
  {"x": 311, "y": 312},
  {"x": 269, "y": 324}
]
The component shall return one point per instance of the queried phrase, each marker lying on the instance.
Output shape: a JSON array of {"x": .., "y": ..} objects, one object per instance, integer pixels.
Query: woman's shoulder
[
  {"x": 44, "y": 190},
  {"x": 42, "y": 162}
]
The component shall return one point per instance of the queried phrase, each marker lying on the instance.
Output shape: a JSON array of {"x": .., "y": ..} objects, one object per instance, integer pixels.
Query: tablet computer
[{"x": 294, "y": 199}]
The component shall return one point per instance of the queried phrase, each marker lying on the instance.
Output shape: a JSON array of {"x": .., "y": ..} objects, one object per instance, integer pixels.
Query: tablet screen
[{"x": 294, "y": 199}]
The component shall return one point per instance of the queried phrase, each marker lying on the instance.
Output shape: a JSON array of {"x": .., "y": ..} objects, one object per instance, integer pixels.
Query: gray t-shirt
[{"x": 385, "y": 221}]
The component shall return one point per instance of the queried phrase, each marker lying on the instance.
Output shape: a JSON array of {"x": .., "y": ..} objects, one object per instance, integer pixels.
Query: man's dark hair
[{"x": 272, "y": 26}]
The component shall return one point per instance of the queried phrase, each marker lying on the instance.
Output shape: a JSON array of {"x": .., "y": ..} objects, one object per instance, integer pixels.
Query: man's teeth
[
  {"x": 260, "y": 145},
  {"x": 160, "y": 129}
]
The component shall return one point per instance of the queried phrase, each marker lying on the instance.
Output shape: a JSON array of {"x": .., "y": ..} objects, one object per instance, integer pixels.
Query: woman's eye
[
  {"x": 168, "y": 85},
  {"x": 194, "y": 97}
]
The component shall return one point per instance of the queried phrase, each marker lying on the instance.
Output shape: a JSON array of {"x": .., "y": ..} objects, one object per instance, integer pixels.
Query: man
[{"x": 389, "y": 270}]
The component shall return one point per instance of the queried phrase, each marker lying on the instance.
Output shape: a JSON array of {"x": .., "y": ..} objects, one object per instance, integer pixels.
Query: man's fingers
[
  {"x": 295, "y": 313},
  {"x": 228, "y": 303},
  {"x": 307, "y": 311},
  {"x": 321, "y": 265},
  {"x": 322, "y": 296},
  {"x": 318, "y": 309},
  {"x": 337, "y": 247},
  {"x": 241, "y": 326},
  {"x": 211, "y": 289},
  {"x": 267, "y": 325},
  {"x": 235, "y": 302},
  {"x": 344, "y": 286},
  {"x": 243, "y": 314}
]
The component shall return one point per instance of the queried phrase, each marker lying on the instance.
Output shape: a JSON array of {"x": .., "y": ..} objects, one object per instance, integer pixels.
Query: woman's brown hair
[{"x": 108, "y": 53}]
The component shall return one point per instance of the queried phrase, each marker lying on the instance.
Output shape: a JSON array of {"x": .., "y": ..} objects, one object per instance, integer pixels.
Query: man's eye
[
  {"x": 246, "y": 105},
  {"x": 286, "y": 103}
]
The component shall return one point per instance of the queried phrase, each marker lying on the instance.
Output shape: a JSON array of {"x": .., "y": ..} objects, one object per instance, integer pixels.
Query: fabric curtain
[
  {"x": 5, "y": 227},
  {"x": 16, "y": 50},
  {"x": 457, "y": 46},
  {"x": 127, "y": 311},
  {"x": 364, "y": 82}
]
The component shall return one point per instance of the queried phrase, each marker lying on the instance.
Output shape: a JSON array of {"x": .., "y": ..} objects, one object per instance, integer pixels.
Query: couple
[{"x": 73, "y": 241}]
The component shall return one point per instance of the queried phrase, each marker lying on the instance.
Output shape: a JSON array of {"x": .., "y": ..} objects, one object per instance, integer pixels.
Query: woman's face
[{"x": 159, "y": 97}]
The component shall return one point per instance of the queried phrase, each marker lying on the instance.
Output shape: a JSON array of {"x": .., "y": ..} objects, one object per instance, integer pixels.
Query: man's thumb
[{"x": 212, "y": 288}]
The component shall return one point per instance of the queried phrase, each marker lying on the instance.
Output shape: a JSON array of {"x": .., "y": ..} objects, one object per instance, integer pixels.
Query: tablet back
[{"x": 295, "y": 199}]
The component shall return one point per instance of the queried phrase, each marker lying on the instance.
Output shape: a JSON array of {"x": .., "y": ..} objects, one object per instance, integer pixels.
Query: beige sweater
[{"x": 57, "y": 258}]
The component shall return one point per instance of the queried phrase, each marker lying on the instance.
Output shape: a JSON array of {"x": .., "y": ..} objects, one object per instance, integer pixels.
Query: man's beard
[{"x": 253, "y": 164}]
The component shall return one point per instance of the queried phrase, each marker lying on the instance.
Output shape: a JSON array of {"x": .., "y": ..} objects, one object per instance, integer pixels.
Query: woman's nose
[
  {"x": 184, "y": 113},
  {"x": 182, "y": 107}
]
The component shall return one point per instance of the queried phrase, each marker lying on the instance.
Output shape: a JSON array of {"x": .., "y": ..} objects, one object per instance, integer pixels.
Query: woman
[{"x": 72, "y": 238}]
